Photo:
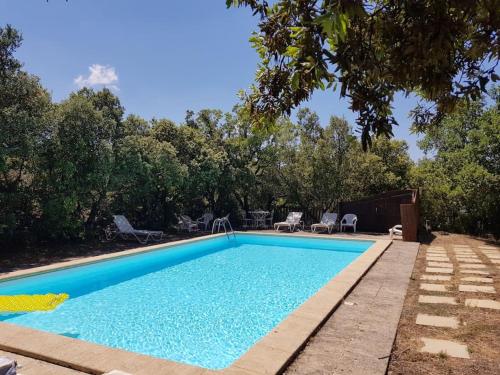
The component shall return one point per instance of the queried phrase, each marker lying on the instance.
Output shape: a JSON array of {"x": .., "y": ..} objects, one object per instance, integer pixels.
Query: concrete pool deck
[
  {"x": 358, "y": 337},
  {"x": 272, "y": 354}
]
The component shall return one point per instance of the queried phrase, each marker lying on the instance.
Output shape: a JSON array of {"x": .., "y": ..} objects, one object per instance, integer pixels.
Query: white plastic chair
[
  {"x": 328, "y": 222},
  {"x": 186, "y": 223},
  {"x": 396, "y": 230},
  {"x": 268, "y": 221},
  {"x": 205, "y": 219},
  {"x": 349, "y": 220}
]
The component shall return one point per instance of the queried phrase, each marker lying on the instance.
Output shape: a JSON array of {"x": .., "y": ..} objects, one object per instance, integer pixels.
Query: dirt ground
[{"x": 479, "y": 328}]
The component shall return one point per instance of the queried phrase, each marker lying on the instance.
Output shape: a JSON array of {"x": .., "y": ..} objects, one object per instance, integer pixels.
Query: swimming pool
[{"x": 204, "y": 303}]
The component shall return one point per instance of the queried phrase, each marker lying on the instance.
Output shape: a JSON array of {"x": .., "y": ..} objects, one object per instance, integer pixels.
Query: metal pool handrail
[{"x": 222, "y": 222}]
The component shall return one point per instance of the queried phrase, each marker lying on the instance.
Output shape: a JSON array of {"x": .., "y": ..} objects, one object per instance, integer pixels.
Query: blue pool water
[{"x": 204, "y": 303}]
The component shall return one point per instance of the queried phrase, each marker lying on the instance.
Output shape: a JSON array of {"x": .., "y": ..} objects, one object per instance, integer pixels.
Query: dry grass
[{"x": 479, "y": 329}]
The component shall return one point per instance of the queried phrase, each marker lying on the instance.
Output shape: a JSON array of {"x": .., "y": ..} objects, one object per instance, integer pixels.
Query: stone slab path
[
  {"x": 437, "y": 299},
  {"x": 447, "y": 347},
  {"x": 451, "y": 320},
  {"x": 358, "y": 338},
  {"x": 437, "y": 321},
  {"x": 483, "y": 303}
]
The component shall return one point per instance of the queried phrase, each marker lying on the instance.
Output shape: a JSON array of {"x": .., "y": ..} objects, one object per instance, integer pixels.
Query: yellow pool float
[{"x": 28, "y": 303}]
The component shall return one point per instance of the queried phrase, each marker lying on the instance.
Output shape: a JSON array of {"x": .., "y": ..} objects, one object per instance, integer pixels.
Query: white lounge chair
[
  {"x": 396, "y": 230},
  {"x": 205, "y": 219},
  {"x": 349, "y": 220},
  {"x": 186, "y": 223},
  {"x": 328, "y": 222},
  {"x": 126, "y": 231},
  {"x": 292, "y": 221}
]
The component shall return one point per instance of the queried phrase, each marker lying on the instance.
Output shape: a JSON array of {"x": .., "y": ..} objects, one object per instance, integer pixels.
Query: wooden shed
[{"x": 380, "y": 212}]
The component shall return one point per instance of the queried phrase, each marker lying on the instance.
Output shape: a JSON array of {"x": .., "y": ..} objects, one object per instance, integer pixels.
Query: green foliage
[
  {"x": 440, "y": 50},
  {"x": 461, "y": 183},
  {"x": 24, "y": 106},
  {"x": 66, "y": 167},
  {"x": 77, "y": 163}
]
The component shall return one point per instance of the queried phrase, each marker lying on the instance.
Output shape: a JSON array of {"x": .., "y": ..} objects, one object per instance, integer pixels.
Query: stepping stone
[
  {"x": 437, "y": 321},
  {"x": 440, "y": 264},
  {"x": 493, "y": 256},
  {"x": 472, "y": 266},
  {"x": 464, "y": 252},
  {"x": 484, "y": 303},
  {"x": 438, "y": 270},
  {"x": 466, "y": 257},
  {"x": 433, "y": 287},
  {"x": 435, "y": 278},
  {"x": 462, "y": 260},
  {"x": 442, "y": 260},
  {"x": 495, "y": 261},
  {"x": 453, "y": 349},
  {"x": 437, "y": 259},
  {"x": 476, "y": 288},
  {"x": 437, "y": 299},
  {"x": 479, "y": 272},
  {"x": 473, "y": 279},
  {"x": 460, "y": 245},
  {"x": 486, "y": 247},
  {"x": 436, "y": 253},
  {"x": 436, "y": 247}
]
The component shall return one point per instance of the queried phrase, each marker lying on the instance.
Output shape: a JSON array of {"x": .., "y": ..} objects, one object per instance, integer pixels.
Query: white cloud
[{"x": 99, "y": 75}]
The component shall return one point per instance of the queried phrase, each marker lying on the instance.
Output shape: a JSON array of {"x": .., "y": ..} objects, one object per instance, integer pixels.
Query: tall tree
[
  {"x": 373, "y": 49},
  {"x": 461, "y": 181},
  {"x": 24, "y": 110}
]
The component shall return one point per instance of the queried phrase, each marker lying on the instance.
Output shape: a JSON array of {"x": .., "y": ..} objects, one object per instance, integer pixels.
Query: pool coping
[{"x": 270, "y": 355}]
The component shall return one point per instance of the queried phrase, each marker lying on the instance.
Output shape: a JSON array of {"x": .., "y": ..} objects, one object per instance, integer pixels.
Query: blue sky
[{"x": 161, "y": 57}]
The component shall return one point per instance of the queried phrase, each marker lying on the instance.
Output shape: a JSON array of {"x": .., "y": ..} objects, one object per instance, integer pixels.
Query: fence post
[{"x": 409, "y": 221}]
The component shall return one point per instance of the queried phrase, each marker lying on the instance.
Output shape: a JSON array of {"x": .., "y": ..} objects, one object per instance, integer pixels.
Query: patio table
[{"x": 259, "y": 217}]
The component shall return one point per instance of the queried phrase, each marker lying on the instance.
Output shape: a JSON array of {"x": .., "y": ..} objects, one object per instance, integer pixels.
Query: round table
[{"x": 259, "y": 217}]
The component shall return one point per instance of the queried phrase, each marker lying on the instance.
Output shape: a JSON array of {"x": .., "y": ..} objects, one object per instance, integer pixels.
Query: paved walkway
[
  {"x": 31, "y": 366},
  {"x": 358, "y": 337}
]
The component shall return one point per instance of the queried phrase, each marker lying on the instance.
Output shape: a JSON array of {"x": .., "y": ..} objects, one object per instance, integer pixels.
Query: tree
[
  {"x": 385, "y": 167},
  {"x": 24, "y": 109},
  {"x": 372, "y": 49},
  {"x": 75, "y": 167},
  {"x": 148, "y": 178},
  {"x": 461, "y": 183}
]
